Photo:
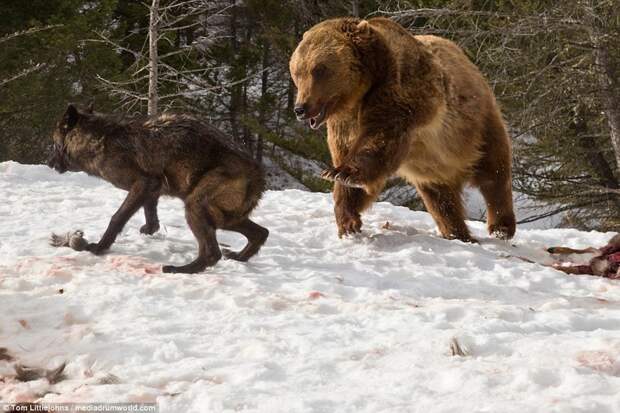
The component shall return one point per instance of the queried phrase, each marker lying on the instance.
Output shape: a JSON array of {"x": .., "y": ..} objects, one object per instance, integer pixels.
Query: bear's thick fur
[{"x": 409, "y": 105}]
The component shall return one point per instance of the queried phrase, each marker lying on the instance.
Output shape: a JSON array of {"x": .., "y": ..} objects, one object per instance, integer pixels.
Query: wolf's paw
[
  {"x": 193, "y": 267},
  {"x": 344, "y": 175},
  {"x": 149, "y": 229},
  {"x": 170, "y": 269},
  {"x": 94, "y": 248},
  {"x": 233, "y": 255}
]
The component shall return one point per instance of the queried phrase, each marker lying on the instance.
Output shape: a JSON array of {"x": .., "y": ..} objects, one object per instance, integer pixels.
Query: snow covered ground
[{"x": 311, "y": 324}]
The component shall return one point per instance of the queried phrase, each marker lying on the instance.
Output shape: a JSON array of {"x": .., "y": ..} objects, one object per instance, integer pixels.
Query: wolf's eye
[{"x": 320, "y": 72}]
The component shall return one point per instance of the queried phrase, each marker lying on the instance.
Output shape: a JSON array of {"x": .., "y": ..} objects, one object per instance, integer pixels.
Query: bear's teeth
[{"x": 317, "y": 121}]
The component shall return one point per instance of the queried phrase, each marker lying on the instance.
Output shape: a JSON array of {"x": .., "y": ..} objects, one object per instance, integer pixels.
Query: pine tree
[
  {"x": 30, "y": 105},
  {"x": 555, "y": 68}
]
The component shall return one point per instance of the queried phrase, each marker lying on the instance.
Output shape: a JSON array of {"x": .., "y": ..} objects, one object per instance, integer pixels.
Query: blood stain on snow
[
  {"x": 315, "y": 295},
  {"x": 133, "y": 265},
  {"x": 59, "y": 271},
  {"x": 600, "y": 361}
]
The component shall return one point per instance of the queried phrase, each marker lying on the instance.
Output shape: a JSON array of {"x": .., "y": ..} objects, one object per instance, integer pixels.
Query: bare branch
[
  {"x": 23, "y": 73},
  {"x": 26, "y": 32}
]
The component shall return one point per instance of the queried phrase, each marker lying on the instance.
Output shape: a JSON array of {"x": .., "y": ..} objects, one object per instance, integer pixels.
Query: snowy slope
[
  {"x": 312, "y": 324},
  {"x": 278, "y": 178}
]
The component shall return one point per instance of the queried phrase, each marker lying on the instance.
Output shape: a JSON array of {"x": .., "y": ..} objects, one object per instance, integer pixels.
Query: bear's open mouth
[{"x": 316, "y": 121}]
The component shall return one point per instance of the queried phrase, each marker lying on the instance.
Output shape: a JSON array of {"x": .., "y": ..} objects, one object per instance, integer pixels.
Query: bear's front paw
[
  {"x": 344, "y": 175},
  {"x": 348, "y": 223}
]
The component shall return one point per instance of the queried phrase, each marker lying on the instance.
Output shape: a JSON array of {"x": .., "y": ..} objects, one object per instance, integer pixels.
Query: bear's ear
[
  {"x": 363, "y": 28},
  {"x": 358, "y": 31},
  {"x": 369, "y": 47}
]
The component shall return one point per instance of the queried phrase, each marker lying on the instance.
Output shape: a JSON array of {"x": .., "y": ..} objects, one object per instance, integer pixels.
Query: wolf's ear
[{"x": 70, "y": 118}]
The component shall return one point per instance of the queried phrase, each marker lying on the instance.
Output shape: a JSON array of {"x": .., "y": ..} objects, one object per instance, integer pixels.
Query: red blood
[
  {"x": 614, "y": 257},
  {"x": 315, "y": 295}
]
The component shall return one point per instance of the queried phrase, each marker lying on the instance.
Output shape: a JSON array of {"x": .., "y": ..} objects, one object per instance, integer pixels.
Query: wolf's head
[{"x": 59, "y": 159}]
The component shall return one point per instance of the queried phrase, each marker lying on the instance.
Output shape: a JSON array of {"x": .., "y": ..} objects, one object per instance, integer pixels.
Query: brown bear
[{"x": 414, "y": 106}]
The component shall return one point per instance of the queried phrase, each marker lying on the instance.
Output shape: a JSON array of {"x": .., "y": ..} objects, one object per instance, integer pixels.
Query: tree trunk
[
  {"x": 611, "y": 100},
  {"x": 247, "y": 135},
  {"x": 247, "y": 139},
  {"x": 355, "y": 8},
  {"x": 153, "y": 97},
  {"x": 235, "y": 91},
  {"x": 262, "y": 114},
  {"x": 608, "y": 81},
  {"x": 601, "y": 168},
  {"x": 290, "y": 92}
]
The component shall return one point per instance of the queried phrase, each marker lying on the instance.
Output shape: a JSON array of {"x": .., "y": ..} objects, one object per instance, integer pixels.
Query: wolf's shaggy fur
[
  {"x": 409, "y": 105},
  {"x": 175, "y": 155}
]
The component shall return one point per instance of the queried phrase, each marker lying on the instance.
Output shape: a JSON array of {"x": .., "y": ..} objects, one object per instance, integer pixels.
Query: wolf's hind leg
[
  {"x": 256, "y": 235},
  {"x": 203, "y": 227}
]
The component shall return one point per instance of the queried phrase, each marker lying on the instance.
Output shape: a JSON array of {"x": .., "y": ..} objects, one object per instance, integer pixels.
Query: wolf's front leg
[
  {"x": 140, "y": 192},
  {"x": 150, "y": 214}
]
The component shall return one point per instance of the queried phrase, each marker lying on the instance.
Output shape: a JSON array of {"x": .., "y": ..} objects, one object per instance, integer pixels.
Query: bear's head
[{"x": 333, "y": 67}]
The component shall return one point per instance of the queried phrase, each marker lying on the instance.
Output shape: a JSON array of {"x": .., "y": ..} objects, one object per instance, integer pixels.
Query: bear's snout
[{"x": 300, "y": 111}]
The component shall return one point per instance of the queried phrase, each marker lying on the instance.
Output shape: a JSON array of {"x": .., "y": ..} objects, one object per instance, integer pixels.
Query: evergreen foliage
[{"x": 554, "y": 66}]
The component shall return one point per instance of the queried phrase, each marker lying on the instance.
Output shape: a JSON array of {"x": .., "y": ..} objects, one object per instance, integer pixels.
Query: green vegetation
[{"x": 554, "y": 66}]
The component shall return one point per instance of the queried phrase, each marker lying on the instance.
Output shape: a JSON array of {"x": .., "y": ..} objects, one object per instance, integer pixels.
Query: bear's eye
[{"x": 320, "y": 72}]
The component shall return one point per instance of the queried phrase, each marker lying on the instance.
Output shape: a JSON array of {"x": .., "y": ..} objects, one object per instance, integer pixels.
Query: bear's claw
[
  {"x": 340, "y": 175},
  {"x": 349, "y": 222},
  {"x": 350, "y": 227}
]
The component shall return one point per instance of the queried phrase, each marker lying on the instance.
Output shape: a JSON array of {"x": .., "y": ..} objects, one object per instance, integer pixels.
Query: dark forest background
[{"x": 554, "y": 66}]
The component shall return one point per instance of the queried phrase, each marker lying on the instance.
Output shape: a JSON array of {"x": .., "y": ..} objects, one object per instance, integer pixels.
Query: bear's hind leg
[
  {"x": 444, "y": 203},
  {"x": 501, "y": 221},
  {"x": 493, "y": 177}
]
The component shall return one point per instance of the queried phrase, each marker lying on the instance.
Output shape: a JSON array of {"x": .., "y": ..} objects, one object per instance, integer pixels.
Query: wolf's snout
[{"x": 56, "y": 160}]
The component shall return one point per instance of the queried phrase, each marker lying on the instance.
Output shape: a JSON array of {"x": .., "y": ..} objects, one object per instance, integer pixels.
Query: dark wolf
[{"x": 174, "y": 155}]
